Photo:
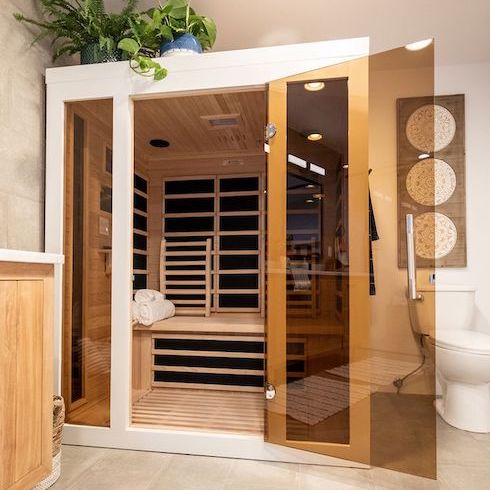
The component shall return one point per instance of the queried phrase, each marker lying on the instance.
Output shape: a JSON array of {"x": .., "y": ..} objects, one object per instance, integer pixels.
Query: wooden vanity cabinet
[{"x": 26, "y": 373}]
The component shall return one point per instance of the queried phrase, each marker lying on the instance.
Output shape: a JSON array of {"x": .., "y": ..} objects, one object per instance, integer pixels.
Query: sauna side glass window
[{"x": 86, "y": 359}]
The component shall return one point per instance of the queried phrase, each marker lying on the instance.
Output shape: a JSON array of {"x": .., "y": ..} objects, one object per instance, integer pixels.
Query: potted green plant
[
  {"x": 83, "y": 26},
  {"x": 182, "y": 31},
  {"x": 169, "y": 29},
  {"x": 141, "y": 46}
]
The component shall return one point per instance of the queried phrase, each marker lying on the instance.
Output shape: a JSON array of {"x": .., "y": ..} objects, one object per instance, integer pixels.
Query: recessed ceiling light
[
  {"x": 423, "y": 156},
  {"x": 309, "y": 201},
  {"x": 417, "y": 46},
  {"x": 314, "y": 86},
  {"x": 159, "y": 143},
  {"x": 314, "y": 136},
  {"x": 309, "y": 186}
]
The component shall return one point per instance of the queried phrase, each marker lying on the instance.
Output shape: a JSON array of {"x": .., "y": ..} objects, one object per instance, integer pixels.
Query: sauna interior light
[
  {"x": 314, "y": 86},
  {"x": 309, "y": 186},
  {"x": 417, "y": 46},
  {"x": 309, "y": 201},
  {"x": 423, "y": 156},
  {"x": 317, "y": 169},
  {"x": 315, "y": 136},
  {"x": 297, "y": 161}
]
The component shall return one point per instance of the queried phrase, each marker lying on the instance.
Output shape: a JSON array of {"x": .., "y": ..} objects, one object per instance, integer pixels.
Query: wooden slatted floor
[{"x": 209, "y": 410}]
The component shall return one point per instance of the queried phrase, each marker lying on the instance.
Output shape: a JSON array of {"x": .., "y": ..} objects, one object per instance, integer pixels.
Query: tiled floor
[{"x": 463, "y": 464}]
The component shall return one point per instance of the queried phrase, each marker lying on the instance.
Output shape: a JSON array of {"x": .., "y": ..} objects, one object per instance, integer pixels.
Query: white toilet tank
[{"x": 454, "y": 308}]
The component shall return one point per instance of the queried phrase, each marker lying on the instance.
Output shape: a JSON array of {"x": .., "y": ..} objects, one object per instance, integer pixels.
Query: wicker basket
[{"x": 58, "y": 421}]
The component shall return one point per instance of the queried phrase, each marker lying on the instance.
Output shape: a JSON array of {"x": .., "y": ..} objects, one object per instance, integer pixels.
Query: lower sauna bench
[{"x": 200, "y": 373}]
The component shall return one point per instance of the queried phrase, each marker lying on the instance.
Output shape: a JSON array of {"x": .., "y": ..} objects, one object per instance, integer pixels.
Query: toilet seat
[{"x": 467, "y": 341}]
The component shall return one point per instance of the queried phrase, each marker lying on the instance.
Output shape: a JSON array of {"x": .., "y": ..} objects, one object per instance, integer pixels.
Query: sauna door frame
[{"x": 223, "y": 71}]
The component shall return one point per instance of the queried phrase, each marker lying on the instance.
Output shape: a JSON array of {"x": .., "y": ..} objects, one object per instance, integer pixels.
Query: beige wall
[
  {"x": 21, "y": 132},
  {"x": 460, "y": 28}
]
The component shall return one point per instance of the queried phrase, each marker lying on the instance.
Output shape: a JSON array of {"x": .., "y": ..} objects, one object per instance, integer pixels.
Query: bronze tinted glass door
[{"x": 318, "y": 262}]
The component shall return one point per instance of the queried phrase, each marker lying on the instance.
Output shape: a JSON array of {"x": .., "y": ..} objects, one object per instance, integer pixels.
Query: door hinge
[
  {"x": 270, "y": 391},
  {"x": 270, "y": 132}
]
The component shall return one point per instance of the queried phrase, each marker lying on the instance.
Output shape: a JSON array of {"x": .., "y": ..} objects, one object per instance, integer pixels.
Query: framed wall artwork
[{"x": 431, "y": 179}]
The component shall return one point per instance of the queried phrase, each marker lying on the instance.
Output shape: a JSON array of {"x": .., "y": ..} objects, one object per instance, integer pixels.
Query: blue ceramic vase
[{"x": 181, "y": 45}]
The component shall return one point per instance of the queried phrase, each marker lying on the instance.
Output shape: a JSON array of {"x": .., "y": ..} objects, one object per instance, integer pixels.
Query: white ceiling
[{"x": 461, "y": 28}]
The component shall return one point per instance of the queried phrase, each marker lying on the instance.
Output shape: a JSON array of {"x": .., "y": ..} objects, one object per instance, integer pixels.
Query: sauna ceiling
[{"x": 208, "y": 124}]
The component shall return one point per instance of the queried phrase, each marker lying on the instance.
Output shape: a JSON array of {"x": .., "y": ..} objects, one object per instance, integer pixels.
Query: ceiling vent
[{"x": 222, "y": 121}]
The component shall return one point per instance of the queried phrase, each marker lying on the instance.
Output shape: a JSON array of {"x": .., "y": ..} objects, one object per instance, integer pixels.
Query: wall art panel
[{"x": 431, "y": 179}]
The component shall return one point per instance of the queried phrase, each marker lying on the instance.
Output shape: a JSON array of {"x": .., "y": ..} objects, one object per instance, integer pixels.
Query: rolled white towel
[
  {"x": 135, "y": 310},
  {"x": 153, "y": 311},
  {"x": 145, "y": 295}
]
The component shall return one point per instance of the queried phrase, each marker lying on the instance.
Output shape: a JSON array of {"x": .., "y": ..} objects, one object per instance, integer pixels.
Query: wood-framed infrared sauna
[
  {"x": 297, "y": 249},
  {"x": 229, "y": 72}
]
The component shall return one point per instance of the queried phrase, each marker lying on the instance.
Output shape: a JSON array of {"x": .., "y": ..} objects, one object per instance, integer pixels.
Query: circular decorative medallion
[
  {"x": 435, "y": 235},
  {"x": 430, "y": 128},
  {"x": 431, "y": 182}
]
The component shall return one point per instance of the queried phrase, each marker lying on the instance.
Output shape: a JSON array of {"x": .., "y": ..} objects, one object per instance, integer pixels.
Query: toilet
[{"x": 462, "y": 355}]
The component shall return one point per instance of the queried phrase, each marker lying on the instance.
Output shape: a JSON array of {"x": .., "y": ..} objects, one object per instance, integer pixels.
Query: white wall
[
  {"x": 21, "y": 132},
  {"x": 473, "y": 81}
]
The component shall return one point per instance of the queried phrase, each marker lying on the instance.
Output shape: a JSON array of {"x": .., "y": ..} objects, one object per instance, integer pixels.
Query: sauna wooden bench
[{"x": 220, "y": 323}]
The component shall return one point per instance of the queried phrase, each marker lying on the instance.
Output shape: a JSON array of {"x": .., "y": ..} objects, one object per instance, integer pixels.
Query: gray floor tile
[
  {"x": 122, "y": 470},
  {"x": 192, "y": 472},
  {"x": 326, "y": 478},
  {"x": 260, "y": 475}
]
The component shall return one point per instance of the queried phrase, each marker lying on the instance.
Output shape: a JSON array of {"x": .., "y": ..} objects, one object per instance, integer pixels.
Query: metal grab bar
[{"x": 411, "y": 267}]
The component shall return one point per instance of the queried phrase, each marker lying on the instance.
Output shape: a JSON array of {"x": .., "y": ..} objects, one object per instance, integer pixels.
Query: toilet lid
[{"x": 464, "y": 340}]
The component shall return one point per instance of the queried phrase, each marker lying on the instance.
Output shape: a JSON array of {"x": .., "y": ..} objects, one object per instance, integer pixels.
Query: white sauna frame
[{"x": 210, "y": 72}]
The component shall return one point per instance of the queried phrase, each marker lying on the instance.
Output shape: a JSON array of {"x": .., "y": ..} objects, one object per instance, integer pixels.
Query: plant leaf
[
  {"x": 177, "y": 3},
  {"x": 160, "y": 73},
  {"x": 210, "y": 27},
  {"x": 166, "y": 32},
  {"x": 178, "y": 13},
  {"x": 129, "y": 45}
]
